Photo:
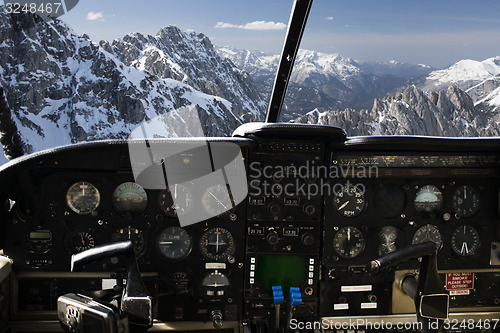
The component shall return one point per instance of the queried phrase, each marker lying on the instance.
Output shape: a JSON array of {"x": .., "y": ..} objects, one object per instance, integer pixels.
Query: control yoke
[
  {"x": 431, "y": 300},
  {"x": 136, "y": 303}
]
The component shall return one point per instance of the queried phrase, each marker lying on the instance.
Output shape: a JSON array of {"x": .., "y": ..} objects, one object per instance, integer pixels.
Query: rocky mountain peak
[{"x": 413, "y": 112}]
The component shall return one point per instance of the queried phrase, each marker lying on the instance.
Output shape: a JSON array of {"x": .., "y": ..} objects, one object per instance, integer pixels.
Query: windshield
[{"x": 114, "y": 69}]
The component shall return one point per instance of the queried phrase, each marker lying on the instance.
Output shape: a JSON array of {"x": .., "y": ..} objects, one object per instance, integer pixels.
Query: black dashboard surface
[{"x": 316, "y": 212}]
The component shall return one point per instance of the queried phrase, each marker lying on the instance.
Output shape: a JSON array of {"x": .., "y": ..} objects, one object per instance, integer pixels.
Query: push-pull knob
[
  {"x": 272, "y": 238},
  {"x": 216, "y": 318}
]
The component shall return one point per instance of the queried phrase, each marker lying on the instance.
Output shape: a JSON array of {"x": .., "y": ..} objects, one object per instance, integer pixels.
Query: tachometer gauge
[
  {"x": 130, "y": 233},
  {"x": 387, "y": 236},
  {"x": 129, "y": 198},
  {"x": 216, "y": 200},
  {"x": 350, "y": 201},
  {"x": 177, "y": 202},
  {"x": 174, "y": 243},
  {"x": 428, "y": 233},
  {"x": 217, "y": 244},
  {"x": 465, "y": 201},
  {"x": 429, "y": 200},
  {"x": 83, "y": 198},
  {"x": 349, "y": 242},
  {"x": 465, "y": 241}
]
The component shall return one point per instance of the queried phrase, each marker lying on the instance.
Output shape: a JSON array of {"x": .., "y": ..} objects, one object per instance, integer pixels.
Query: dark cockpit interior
[{"x": 280, "y": 228}]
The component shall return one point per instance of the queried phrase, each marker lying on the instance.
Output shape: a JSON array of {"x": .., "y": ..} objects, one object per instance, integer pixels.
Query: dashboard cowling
[{"x": 312, "y": 242}]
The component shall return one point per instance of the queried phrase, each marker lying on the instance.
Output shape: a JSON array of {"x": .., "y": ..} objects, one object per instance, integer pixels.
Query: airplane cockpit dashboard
[
  {"x": 319, "y": 207},
  {"x": 282, "y": 227}
]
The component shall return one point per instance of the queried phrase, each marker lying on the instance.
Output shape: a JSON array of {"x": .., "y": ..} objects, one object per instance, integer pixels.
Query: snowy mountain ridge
[{"x": 64, "y": 88}]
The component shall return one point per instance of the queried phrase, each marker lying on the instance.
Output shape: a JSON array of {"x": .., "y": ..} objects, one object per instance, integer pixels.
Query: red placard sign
[{"x": 459, "y": 281}]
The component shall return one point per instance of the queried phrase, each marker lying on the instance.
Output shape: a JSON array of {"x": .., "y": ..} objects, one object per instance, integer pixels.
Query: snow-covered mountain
[
  {"x": 480, "y": 79},
  {"x": 413, "y": 112},
  {"x": 464, "y": 74},
  {"x": 64, "y": 88},
  {"x": 330, "y": 80}
]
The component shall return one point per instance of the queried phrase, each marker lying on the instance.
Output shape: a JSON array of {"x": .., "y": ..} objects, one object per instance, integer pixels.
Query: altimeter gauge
[
  {"x": 176, "y": 201},
  {"x": 83, "y": 198},
  {"x": 465, "y": 241}
]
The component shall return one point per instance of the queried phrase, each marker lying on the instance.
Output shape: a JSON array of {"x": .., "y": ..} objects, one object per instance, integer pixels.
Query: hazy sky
[{"x": 437, "y": 33}]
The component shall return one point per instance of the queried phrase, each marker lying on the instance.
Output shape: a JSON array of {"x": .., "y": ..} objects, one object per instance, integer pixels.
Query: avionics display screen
[{"x": 280, "y": 270}]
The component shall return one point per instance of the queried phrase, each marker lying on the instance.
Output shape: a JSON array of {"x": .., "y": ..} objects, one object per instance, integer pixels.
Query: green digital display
[{"x": 280, "y": 270}]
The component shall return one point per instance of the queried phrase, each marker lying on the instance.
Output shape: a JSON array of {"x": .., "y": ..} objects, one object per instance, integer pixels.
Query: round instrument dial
[
  {"x": 83, "y": 198},
  {"x": 217, "y": 244},
  {"x": 216, "y": 200},
  {"x": 130, "y": 233},
  {"x": 465, "y": 241},
  {"x": 129, "y": 198},
  {"x": 465, "y": 201},
  {"x": 387, "y": 236},
  {"x": 174, "y": 243},
  {"x": 80, "y": 239},
  {"x": 349, "y": 242},
  {"x": 428, "y": 233},
  {"x": 350, "y": 201},
  {"x": 428, "y": 200},
  {"x": 215, "y": 285},
  {"x": 175, "y": 202}
]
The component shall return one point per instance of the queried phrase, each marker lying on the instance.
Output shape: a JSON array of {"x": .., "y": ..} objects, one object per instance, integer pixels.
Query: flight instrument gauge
[
  {"x": 130, "y": 233},
  {"x": 83, "y": 198},
  {"x": 428, "y": 200},
  {"x": 217, "y": 244},
  {"x": 349, "y": 242},
  {"x": 350, "y": 201},
  {"x": 175, "y": 202},
  {"x": 129, "y": 198},
  {"x": 174, "y": 243},
  {"x": 215, "y": 285},
  {"x": 465, "y": 241},
  {"x": 216, "y": 200},
  {"x": 183, "y": 283},
  {"x": 465, "y": 201},
  {"x": 388, "y": 236},
  {"x": 80, "y": 240},
  {"x": 428, "y": 233}
]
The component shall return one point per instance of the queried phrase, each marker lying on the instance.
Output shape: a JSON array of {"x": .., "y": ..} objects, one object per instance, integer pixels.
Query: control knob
[
  {"x": 307, "y": 239},
  {"x": 272, "y": 238}
]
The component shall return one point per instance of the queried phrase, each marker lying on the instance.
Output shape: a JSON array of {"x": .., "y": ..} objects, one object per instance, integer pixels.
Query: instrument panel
[{"x": 314, "y": 216}]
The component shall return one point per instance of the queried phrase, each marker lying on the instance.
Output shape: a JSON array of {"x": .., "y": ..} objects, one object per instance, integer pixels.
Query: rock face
[
  {"x": 327, "y": 81},
  {"x": 64, "y": 88},
  {"x": 413, "y": 112},
  {"x": 191, "y": 59}
]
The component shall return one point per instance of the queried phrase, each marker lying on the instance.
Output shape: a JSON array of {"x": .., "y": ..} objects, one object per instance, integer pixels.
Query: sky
[{"x": 436, "y": 33}]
